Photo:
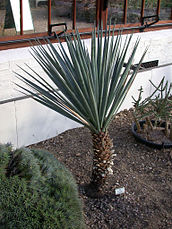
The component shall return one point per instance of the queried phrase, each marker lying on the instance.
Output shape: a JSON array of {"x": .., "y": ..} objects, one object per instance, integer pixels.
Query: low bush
[{"x": 37, "y": 191}]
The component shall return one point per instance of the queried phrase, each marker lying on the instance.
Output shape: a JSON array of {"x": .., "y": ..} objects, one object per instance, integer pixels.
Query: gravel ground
[{"x": 145, "y": 174}]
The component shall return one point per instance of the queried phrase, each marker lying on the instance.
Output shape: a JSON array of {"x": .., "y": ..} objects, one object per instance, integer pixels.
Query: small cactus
[{"x": 157, "y": 106}]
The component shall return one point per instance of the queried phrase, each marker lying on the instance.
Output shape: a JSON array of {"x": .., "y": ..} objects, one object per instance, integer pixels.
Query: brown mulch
[{"x": 145, "y": 173}]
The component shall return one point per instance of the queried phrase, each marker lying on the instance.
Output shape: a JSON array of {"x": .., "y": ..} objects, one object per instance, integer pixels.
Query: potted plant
[{"x": 153, "y": 116}]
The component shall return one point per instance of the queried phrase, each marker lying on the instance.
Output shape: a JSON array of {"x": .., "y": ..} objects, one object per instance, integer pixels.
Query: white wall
[{"x": 25, "y": 122}]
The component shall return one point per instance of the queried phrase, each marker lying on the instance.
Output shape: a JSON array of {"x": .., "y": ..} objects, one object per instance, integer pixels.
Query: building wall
[{"x": 24, "y": 121}]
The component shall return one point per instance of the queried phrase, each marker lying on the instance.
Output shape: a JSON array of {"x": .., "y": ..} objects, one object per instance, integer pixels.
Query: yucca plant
[{"x": 87, "y": 87}]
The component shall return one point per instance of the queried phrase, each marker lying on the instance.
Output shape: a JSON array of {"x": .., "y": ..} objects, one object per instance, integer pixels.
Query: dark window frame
[{"x": 21, "y": 40}]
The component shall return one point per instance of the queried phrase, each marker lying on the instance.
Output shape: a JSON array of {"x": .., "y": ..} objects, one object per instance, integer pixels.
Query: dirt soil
[{"x": 145, "y": 173}]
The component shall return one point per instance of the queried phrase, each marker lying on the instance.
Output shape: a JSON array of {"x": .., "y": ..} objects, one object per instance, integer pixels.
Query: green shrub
[{"x": 36, "y": 191}]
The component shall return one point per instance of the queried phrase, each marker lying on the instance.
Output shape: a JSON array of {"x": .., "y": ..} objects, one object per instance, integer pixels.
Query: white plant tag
[{"x": 119, "y": 191}]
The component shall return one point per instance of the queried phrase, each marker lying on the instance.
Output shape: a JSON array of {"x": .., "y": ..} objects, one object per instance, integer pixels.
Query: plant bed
[
  {"x": 146, "y": 174},
  {"x": 156, "y": 138}
]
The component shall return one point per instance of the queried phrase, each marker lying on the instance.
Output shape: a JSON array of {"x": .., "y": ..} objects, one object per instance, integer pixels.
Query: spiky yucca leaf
[{"x": 87, "y": 88}]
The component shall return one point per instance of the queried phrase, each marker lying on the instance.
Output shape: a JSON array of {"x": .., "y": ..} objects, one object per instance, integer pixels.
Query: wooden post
[
  {"x": 74, "y": 14},
  {"x": 97, "y": 12},
  {"x": 142, "y": 11},
  {"x": 21, "y": 17},
  {"x": 49, "y": 15},
  {"x": 104, "y": 12},
  {"x": 158, "y": 7},
  {"x": 125, "y": 11}
]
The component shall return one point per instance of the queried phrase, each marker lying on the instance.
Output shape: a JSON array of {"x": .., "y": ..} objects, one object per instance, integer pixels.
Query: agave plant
[{"x": 87, "y": 87}]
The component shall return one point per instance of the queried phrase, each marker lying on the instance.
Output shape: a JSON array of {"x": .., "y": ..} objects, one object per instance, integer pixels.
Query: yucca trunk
[{"x": 102, "y": 161}]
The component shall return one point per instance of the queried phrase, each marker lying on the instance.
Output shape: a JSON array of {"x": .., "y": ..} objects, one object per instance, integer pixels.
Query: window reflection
[
  {"x": 35, "y": 17},
  {"x": 85, "y": 13},
  {"x": 61, "y": 12},
  {"x": 116, "y": 11},
  {"x": 133, "y": 12},
  {"x": 166, "y": 10},
  {"x": 7, "y": 25},
  {"x": 35, "y": 14},
  {"x": 39, "y": 11},
  {"x": 150, "y": 8}
]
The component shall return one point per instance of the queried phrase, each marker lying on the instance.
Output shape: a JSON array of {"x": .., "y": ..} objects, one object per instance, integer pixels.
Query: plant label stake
[{"x": 119, "y": 191}]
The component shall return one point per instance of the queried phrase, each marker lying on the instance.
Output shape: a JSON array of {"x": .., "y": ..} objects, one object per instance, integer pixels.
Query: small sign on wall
[{"x": 13, "y": 15}]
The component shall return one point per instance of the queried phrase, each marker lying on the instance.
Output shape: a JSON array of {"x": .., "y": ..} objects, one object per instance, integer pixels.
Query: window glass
[
  {"x": 7, "y": 25},
  {"x": 39, "y": 14},
  {"x": 35, "y": 17},
  {"x": 166, "y": 10},
  {"x": 85, "y": 13},
  {"x": 150, "y": 7},
  {"x": 116, "y": 11},
  {"x": 35, "y": 14},
  {"x": 61, "y": 12},
  {"x": 133, "y": 11}
]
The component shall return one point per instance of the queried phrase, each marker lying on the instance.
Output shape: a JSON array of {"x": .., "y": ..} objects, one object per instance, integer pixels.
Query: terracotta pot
[{"x": 146, "y": 142}]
